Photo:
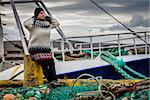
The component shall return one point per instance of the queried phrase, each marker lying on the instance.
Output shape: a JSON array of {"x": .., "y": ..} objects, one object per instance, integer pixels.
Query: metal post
[
  {"x": 80, "y": 47},
  {"x": 149, "y": 49},
  {"x": 91, "y": 46},
  {"x": 145, "y": 43},
  {"x": 1, "y": 41},
  {"x": 135, "y": 48},
  {"x": 148, "y": 40},
  {"x": 63, "y": 50},
  {"x": 22, "y": 34},
  {"x": 100, "y": 47},
  {"x": 119, "y": 48}
]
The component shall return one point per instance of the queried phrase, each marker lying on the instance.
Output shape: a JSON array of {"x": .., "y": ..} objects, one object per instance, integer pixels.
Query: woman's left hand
[{"x": 55, "y": 23}]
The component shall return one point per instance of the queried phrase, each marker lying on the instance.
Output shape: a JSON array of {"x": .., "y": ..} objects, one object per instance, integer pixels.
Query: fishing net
[
  {"x": 24, "y": 93},
  {"x": 133, "y": 91},
  {"x": 64, "y": 93}
]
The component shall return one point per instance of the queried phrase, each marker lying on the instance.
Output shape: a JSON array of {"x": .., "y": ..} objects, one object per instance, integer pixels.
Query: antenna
[{"x": 133, "y": 32}]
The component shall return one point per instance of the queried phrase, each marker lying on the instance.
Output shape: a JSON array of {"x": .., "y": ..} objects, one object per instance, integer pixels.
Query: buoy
[
  {"x": 9, "y": 97},
  {"x": 33, "y": 98}
]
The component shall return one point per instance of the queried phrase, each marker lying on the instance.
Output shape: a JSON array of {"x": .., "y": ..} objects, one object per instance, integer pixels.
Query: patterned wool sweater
[{"x": 39, "y": 39}]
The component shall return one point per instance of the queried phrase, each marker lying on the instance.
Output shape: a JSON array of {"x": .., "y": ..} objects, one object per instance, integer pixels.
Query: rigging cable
[{"x": 133, "y": 32}]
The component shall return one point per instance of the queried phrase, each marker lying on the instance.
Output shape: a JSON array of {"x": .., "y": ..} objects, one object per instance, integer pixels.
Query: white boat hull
[{"x": 68, "y": 67}]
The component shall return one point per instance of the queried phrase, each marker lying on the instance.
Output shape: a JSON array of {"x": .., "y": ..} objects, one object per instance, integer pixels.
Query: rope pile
[{"x": 135, "y": 90}]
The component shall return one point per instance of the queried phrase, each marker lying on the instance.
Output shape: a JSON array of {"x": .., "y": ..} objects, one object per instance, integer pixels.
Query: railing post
[
  {"x": 135, "y": 48},
  {"x": 145, "y": 43},
  {"x": 80, "y": 47},
  {"x": 100, "y": 47},
  {"x": 91, "y": 46},
  {"x": 149, "y": 49},
  {"x": 148, "y": 41},
  {"x": 119, "y": 48},
  {"x": 63, "y": 50}
]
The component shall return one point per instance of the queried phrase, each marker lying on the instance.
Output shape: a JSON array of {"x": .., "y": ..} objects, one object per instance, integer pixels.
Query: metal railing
[{"x": 134, "y": 45}]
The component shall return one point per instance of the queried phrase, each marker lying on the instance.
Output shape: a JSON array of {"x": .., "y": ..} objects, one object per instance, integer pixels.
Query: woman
[{"x": 40, "y": 27}]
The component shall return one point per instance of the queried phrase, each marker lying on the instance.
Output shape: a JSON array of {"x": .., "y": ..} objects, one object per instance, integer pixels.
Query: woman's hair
[{"x": 37, "y": 11}]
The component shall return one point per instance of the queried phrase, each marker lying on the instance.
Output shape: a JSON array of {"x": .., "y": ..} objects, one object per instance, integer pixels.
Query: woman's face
[{"x": 41, "y": 15}]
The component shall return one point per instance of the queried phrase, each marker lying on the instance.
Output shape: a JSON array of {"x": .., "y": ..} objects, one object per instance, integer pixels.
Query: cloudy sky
[{"x": 81, "y": 17}]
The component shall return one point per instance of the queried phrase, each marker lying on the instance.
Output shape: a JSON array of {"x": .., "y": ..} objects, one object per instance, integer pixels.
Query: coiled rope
[
  {"x": 119, "y": 64},
  {"x": 100, "y": 89}
]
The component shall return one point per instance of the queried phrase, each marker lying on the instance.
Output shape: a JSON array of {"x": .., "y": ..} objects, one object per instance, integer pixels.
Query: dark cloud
[
  {"x": 126, "y": 6},
  {"x": 136, "y": 21},
  {"x": 146, "y": 22}
]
